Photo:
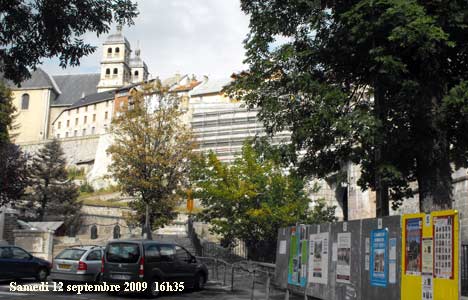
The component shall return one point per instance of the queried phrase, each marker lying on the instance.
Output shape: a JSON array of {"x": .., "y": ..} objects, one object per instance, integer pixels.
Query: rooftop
[{"x": 211, "y": 86}]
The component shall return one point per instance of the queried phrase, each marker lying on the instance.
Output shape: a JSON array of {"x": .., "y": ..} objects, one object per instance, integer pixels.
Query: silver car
[{"x": 77, "y": 264}]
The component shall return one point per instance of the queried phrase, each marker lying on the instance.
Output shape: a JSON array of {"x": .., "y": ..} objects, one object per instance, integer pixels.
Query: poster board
[
  {"x": 379, "y": 257},
  {"x": 425, "y": 277},
  {"x": 343, "y": 265},
  {"x": 318, "y": 257},
  {"x": 298, "y": 252}
]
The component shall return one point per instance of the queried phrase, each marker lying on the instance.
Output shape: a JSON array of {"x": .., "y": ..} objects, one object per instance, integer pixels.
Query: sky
[{"x": 201, "y": 37}]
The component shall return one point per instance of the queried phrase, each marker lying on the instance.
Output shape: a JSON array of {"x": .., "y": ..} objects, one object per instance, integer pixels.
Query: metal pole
[
  {"x": 253, "y": 286},
  {"x": 216, "y": 266},
  {"x": 225, "y": 269},
  {"x": 232, "y": 277},
  {"x": 286, "y": 296},
  {"x": 267, "y": 292}
]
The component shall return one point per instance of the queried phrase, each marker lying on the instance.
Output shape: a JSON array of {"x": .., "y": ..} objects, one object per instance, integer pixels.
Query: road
[{"x": 212, "y": 291}]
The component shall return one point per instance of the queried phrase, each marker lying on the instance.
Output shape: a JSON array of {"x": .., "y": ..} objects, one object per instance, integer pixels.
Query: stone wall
[{"x": 38, "y": 243}]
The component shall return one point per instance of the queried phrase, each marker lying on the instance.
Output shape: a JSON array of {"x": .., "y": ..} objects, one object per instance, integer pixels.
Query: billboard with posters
[
  {"x": 413, "y": 228},
  {"x": 318, "y": 258},
  {"x": 297, "y": 269},
  {"x": 379, "y": 257},
  {"x": 343, "y": 265}
]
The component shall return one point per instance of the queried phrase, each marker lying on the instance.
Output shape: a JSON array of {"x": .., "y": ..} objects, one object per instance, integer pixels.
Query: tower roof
[{"x": 117, "y": 38}]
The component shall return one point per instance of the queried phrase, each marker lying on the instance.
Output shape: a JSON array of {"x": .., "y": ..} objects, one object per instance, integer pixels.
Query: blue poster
[{"x": 379, "y": 258}]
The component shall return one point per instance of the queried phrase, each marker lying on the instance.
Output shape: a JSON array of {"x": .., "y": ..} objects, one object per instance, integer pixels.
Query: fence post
[
  {"x": 232, "y": 277},
  {"x": 267, "y": 292},
  {"x": 225, "y": 269},
  {"x": 215, "y": 268},
  {"x": 286, "y": 296},
  {"x": 253, "y": 286}
]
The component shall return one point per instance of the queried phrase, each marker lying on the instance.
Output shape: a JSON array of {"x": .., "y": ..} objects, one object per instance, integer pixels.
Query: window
[
  {"x": 85, "y": 119},
  {"x": 58, "y": 135},
  {"x": 94, "y": 118},
  {"x": 20, "y": 253},
  {"x": 25, "y": 101},
  {"x": 76, "y": 121},
  {"x": 86, "y": 108},
  {"x": 68, "y": 123},
  {"x": 123, "y": 253},
  {"x": 77, "y": 110},
  {"x": 71, "y": 254},
  {"x": 105, "y": 115},
  {"x": 94, "y": 233},
  {"x": 152, "y": 253},
  {"x": 107, "y": 103},
  {"x": 75, "y": 133},
  {"x": 59, "y": 125},
  {"x": 84, "y": 132},
  {"x": 93, "y": 130},
  {"x": 167, "y": 252},
  {"x": 68, "y": 112},
  {"x": 117, "y": 51},
  {"x": 107, "y": 73},
  {"x": 116, "y": 231},
  {"x": 95, "y": 255},
  {"x": 66, "y": 134},
  {"x": 115, "y": 72},
  {"x": 182, "y": 254},
  {"x": 109, "y": 52},
  {"x": 94, "y": 107},
  {"x": 136, "y": 73}
]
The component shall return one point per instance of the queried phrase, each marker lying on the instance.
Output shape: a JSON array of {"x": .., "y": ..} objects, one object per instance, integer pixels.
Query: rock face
[{"x": 101, "y": 163}]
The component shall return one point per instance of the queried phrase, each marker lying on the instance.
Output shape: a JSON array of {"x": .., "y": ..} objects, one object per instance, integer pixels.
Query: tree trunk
[
  {"x": 433, "y": 170},
  {"x": 148, "y": 231}
]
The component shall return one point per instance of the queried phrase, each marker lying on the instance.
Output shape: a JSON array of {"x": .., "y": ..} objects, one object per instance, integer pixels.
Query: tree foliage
[
  {"x": 252, "y": 198},
  {"x": 13, "y": 163},
  {"x": 151, "y": 152},
  {"x": 36, "y": 29},
  {"x": 380, "y": 83},
  {"x": 53, "y": 196}
]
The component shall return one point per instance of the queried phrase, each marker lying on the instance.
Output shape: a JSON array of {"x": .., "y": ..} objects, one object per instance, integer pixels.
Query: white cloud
[{"x": 202, "y": 37}]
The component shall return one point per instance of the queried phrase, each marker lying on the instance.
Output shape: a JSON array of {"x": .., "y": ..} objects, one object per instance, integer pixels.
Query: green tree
[
  {"x": 13, "y": 163},
  {"x": 252, "y": 198},
  {"x": 151, "y": 153},
  {"x": 53, "y": 196},
  {"x": 36, "y": 29},
  {"x": 379, "y": 83}
]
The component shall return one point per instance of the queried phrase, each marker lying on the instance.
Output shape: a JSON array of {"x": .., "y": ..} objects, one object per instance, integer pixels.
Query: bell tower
[{"x": 115, "y": 69}]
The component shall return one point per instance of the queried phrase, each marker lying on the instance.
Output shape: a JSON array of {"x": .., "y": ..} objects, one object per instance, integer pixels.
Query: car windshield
[
  {"x": 71, "y": 254},
  {"x": 123, "y": 252}
]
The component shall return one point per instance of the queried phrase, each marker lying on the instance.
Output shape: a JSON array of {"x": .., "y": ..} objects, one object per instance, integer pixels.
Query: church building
[{"x": 83, "y": 101}]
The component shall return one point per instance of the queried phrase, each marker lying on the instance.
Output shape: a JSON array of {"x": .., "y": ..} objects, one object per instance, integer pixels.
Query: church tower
[
  {"x": 139, "y": 70},
  {"x": 115, "y": 69}
]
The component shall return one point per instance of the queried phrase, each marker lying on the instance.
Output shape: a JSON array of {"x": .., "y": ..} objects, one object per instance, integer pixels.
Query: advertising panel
[
  {"x": 343, "y": 266},
  {"x": 379, "y": 257},
  {"x": 297, "y": 271},
  {"x": 318, "y": 258}
]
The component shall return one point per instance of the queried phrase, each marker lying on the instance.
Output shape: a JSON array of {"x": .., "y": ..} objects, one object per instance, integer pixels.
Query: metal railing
[
  {"x": 259, "y": 276},
  {"x": 464, "y": 270}
]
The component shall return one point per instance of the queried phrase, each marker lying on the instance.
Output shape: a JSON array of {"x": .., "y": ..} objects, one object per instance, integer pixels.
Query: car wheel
[
  {"x": 152, "y": 292},
  {"x": 199, "y": 281},
  {"x": 42, "y": 274}
]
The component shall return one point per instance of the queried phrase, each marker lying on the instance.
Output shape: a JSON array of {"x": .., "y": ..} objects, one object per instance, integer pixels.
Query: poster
[
  {"x": 335, "y": 252},
  {"x": 427, "y": 287},
  {"x": 318, "y": 258},
  {"x": 343, "y": 266},
  {"x": 413, "y": 230},
  {"x": 443, "y": 247},
  {"x": 427, "y": 256},
  {"x": 366, "y": 258},
  {"x": 297, "y": 269},
  {"x": 392, "y": 261},
  {"x": 378, "y": 257},
  {"x": 282, "y": 247}
]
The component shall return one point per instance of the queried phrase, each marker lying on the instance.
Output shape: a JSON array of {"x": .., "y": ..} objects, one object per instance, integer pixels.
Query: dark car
[
  {"x": 16, "y": 263},
  {"x": 154, "y": 263}
]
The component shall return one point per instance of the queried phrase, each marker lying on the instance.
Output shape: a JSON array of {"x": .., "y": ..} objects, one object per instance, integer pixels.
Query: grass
[
  {"x": 105, "y": 191},
  {"x": 110, "y": 203}
]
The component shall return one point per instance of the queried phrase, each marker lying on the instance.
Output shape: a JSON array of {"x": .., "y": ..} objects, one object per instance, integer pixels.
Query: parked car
[
  {"x": 16, "y": 263},
  {"x": 154, "y": 263},
  {"x": 78, "y": 264}
]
